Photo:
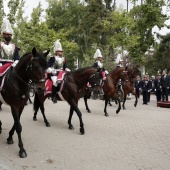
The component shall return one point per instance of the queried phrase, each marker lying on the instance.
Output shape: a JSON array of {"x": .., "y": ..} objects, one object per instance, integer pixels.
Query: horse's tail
[{"x": 36, "y": 104}]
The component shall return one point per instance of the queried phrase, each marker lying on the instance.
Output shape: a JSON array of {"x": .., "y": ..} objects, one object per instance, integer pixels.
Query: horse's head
[
  {"x": 96, "y": 82},
  {"x": 36, "y": 70},
  {"x": 132, "y": 70}
]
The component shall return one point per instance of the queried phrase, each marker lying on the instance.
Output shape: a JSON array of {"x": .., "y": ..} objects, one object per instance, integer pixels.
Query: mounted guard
[
  {"x": 9, "y": 52},
  {"x": 57, "y": 68},
  {"x": 99, "y": 64},
  {"x": 119, "y": 62}
]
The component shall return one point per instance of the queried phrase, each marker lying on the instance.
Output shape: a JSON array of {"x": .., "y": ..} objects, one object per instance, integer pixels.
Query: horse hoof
[
  {"x": 23, "y": 154},
  {"x": 124, "y": 108},
  {"x": 0, "y": 131},
  {"x": 106, "y": 115},
  {"x": 135, "y": 105},
  {"x": 71, "y": 127},
  {"x": 82, "y": 132},
  {"x": 10, "y": 141},
  {"x": 88, "y": 111},
  {"x": 47, "y": 124},
  {"x": 117, "y": 111},
  {"x": 34, "y": 118}
]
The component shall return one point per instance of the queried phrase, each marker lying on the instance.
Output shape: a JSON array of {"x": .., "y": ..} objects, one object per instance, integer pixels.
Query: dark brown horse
[
  {"x": 73, "y": 87},
  {"x": 110, "y": 87},
  {"x": 15, "y": 91},
  {"x": 94, "y": 89},
  {"x": 128, "y": 86}
]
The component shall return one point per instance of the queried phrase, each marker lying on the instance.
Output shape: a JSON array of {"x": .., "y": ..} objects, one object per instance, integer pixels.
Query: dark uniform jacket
[
  {"x": 157, "y": 84},
  {"x": 145, "y": 85},
  {"x": 165, "y": 81},
  {"x": 137, "y": 84}
]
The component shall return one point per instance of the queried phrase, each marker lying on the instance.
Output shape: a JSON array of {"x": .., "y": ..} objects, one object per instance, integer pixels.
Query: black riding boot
[{"x": 54, "y": 91}]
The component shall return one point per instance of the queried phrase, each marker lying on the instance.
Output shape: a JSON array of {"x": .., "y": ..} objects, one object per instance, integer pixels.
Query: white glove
[
  {"x": 54, "y": 72},
  {"x": 15, "y": 63},
  {"x": 148, "y": 90},
  {"x": 155, "y": 89},
  {"x": 67, "y": 69},
  {"x": 49, "y": 70},
  {"x": 106, "y": 72}
]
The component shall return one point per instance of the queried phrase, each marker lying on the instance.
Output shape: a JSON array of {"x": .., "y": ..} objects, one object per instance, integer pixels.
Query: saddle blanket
[
  {"x": 61, "y": 75},
  {"x": 4, "y": 68}
]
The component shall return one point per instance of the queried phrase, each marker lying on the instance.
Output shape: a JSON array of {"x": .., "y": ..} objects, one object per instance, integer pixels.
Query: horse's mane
[
  {"x": 82, "y": 71},
  {"x": 116, "y": 71},
  {"x": 42, "y": 59}
]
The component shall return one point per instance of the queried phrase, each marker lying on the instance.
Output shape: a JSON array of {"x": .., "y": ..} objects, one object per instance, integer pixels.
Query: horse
[
  {"x": 71, "y": 90},
  {"x": 15, "y": 89},
  {"x": 128, "y": 86},
  {"x": 109, "y": 87}
]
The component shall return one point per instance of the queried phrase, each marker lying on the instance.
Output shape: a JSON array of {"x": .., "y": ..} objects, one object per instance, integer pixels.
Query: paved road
[{"x": 135, "y": 139}]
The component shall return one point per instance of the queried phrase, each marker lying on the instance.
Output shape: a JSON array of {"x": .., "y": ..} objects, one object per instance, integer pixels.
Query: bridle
[
  {"x": 32, "y": 76},
  {"x": 32, "y": 83}
]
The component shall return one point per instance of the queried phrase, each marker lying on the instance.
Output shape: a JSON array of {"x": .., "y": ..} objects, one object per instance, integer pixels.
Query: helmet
[
  {"x": 57, "y": 46},
  {"x": 6, "y": 27},
  {"x": 97, "y": 54}
]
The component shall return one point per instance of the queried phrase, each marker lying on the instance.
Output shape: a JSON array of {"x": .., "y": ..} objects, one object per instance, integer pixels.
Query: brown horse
[
  {"x": 15, "y": 90},
  {"x": 128, "y": 86},
  {"x": 110, "y": 89},
  {"x": 73, "y": 87}
]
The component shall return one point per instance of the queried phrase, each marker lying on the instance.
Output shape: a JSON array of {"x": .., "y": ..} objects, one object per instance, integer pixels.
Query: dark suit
[
  {"x": 150, "y": 88},
  {"x": 165, "y": 83},
  {"x": 145, "y": 89},
  {"x": 157, "y": 84}
]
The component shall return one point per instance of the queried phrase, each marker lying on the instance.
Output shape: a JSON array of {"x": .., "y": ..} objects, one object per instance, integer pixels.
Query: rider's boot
[{"x": 54, "y": 93}]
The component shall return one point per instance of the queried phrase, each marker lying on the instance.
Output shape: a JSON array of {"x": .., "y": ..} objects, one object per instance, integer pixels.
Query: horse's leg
[
  {"x": 124, "y": 100},
  {"x": 30, "y": 100},
  {"x": 0, "y": 106},
  {"x": 35, "y": 114},
  {"x": 85, "y": 101},
  {"x": 136, "y": 98},
  {"x": 79, "y": 114},
  {"x": 105, "y": 107},
  {"x": 119, "y": 105},
  {"x": 43, "y": 113},
  {"x": 0, "y": 127},
  {"x": 39, "y": 103},
  {"x": 70, "y": 117},
  {"x": 110, "y": 103},
  {"x": 18, "y": 127}
]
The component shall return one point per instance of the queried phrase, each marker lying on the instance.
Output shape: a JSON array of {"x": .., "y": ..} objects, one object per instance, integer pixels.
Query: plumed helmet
[
  {"x": 119, "y": 58},
  {"x": 97, "y": 54},
  {"x": 6, "y": 27},
  {"x": 57, "y": 46}
]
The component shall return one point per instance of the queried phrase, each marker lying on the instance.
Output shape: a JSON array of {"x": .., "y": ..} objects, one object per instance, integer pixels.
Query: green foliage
[{"x": 84, "y": 26}]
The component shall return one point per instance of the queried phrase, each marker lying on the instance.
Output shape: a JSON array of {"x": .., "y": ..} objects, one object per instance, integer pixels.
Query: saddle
[
  {"x": 3, "y": 70},
  {"x": 60, "y": 80}
]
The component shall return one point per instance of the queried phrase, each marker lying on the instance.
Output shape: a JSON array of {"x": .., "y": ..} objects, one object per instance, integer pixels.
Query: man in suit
[
  {"x": 165, "y": 84},
  {"x": 150, "y": 86},
  {"x": 157, "y": 86},
  {"x": 145, "y": 89}
]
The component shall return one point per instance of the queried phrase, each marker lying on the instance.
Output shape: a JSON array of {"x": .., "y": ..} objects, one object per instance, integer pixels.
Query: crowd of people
[{"x": 159, "y": 86}]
